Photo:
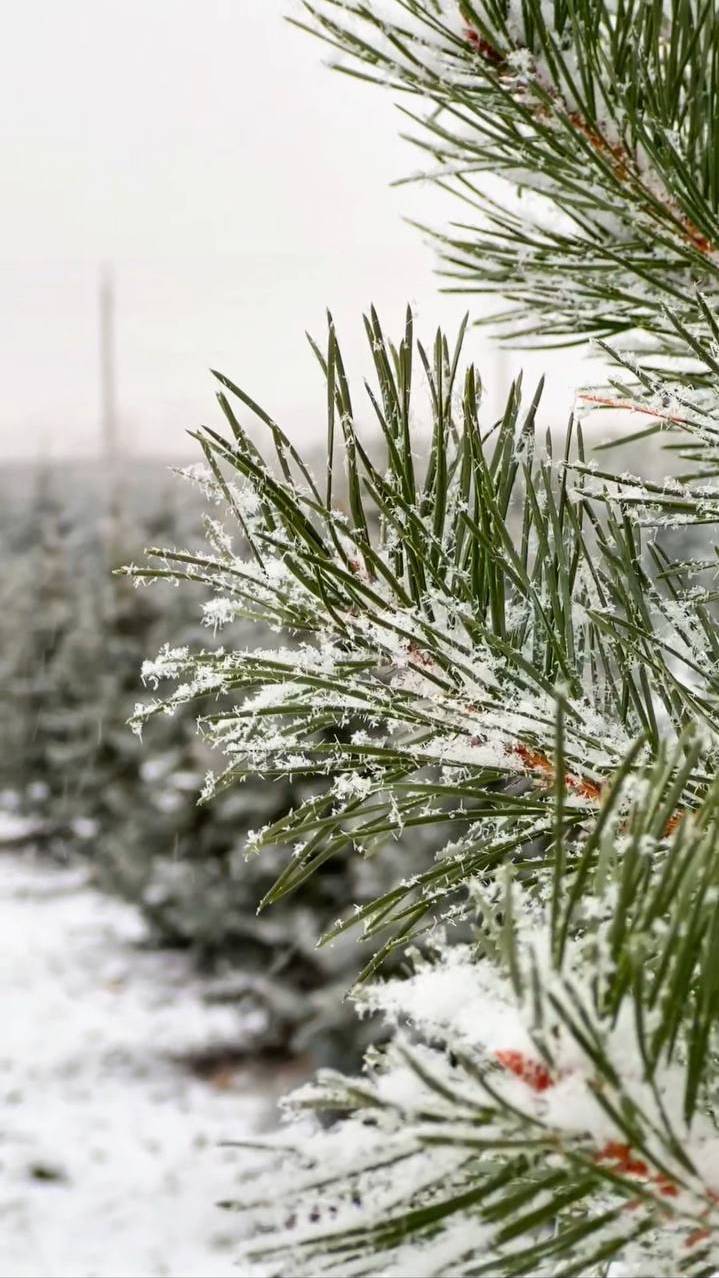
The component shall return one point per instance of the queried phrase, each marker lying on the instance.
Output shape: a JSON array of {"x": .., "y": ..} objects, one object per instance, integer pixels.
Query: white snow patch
[{"x": 110, "y": 1155}]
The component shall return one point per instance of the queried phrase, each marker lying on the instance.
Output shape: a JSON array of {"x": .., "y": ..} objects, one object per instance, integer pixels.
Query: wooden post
[
  {"x": 110, "y": 447},
  {"x": 108, "y": 406}
]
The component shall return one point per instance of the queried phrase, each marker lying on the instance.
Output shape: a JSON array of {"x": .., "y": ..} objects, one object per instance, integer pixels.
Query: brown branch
[
  {"x": 625, "y": 1163},
  {"x": 534, "y": 761},
  {"x": 621, "y": 161},
  {"x": 629, "y": 406},
  {"x": 485, "y": 50},
  {"x": 531, "y": 1072}
]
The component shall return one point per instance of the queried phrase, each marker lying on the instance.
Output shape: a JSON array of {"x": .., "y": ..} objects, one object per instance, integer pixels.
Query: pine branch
[
  {"x": 505, "y": 648},
  {"x": 548, "y": 1104},
  {"x": 591, "y": 108},
  {"x": 436, "y": 632}
]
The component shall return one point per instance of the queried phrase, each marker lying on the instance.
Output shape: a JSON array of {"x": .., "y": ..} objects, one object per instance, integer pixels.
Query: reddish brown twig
[
  {"x": 626, "y": 1163},
  {"x": 535, "y": 761},
  {"x": 619, "y": 158},
  {"x": 533, "y": 1073},
  {"x": 486, "y": 50},
  {"x": 628, "y": 405}
]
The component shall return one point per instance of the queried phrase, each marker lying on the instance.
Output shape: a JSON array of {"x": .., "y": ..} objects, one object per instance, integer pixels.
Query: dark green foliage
[
  {"x": 547, "y": 1103},
  {"x": 72, "y": 641},
  {"x": 604, "y": 117}
]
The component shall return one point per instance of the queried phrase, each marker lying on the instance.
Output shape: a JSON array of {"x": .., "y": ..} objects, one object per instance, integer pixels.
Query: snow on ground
[{"x": 110, "y": 1157}]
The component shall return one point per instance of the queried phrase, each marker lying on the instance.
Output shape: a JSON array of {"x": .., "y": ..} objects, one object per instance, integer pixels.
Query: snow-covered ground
[{"x": 110, "y": 1154}]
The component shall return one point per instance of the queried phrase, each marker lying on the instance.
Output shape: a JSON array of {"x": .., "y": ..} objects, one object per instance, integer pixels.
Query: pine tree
[{"x": 504, "y": 644}]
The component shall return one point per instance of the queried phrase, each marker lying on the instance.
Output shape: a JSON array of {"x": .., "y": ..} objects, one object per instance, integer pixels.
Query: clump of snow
[{"x": 15, "y": 828}]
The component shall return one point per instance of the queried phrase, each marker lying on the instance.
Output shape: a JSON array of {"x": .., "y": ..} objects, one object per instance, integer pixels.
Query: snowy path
[{"x": 109, "y": 1157}]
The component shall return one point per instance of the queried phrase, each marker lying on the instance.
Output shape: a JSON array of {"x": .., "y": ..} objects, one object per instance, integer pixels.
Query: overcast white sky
[{"x": 236, "y": 186}]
